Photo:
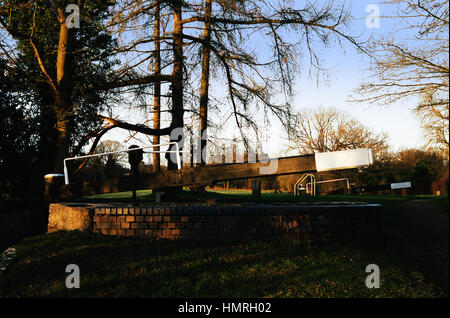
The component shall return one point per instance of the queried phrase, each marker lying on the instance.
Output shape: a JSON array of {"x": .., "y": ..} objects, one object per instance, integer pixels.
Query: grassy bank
[
  {"x": 391, "y": 212},
  {"x": 267, "y": 197},
  {"x": 141, "y": 267}
]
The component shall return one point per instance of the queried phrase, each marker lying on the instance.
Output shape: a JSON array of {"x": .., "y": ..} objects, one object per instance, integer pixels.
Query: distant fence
[{"x": 21, "y": 218}]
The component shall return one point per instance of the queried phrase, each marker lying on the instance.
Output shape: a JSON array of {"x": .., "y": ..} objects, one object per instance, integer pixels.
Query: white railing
[
  {"x": 177, "y": 151},
  {"x": 326, "y": 181},
  {"x": 303, "y": 178}
]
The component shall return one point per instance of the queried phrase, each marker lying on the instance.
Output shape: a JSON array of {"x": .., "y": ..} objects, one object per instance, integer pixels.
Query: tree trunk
[
  {"x": 47, "y": 143},
  {"x": 177, "y": 93},
  {"x": 62, "y": 93},
  {"x": 157, "y": 93},
  {"x": 204, "y": 90},
  {"x": 177, "y": 80},
  {"x": 62, "y": 141},
  {"x": 205, "y": 80}
]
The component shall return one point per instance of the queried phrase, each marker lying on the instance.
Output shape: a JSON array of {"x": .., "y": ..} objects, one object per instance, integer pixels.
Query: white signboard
[
  {"x": 401, "y": 185},
  {"x": 346, "y": 159}
]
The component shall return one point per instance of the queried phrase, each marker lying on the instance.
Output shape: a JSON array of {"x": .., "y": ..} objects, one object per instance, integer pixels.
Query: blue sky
[{"x": 347, "y": 69}]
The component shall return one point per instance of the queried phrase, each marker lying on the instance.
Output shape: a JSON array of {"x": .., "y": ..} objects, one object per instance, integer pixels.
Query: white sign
[
  {"x": 346, "y": 159},
  {"x": 401, "y": 185}
]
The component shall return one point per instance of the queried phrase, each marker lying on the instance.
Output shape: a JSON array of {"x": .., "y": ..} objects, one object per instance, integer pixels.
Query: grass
[
  {"x": 140, "y": 194},
  {"x": 391, "y": 211},
  {"x": 267, "y": 197},
  {"x": 143, "y": 267}
]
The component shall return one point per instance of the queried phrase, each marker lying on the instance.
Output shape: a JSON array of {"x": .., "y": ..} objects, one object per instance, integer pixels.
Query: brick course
[{"x": 341, "y": 222}]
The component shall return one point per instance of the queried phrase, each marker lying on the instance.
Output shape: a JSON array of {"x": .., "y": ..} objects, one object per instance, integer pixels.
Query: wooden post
[
  {"x": 277, "y": 187},
  {"x": 53, "y": 187},
  {"x": 191, "y": 154},
  {"x": 223, "y": 154},
  {"x": 256, "y": 188},
  {"x": 134, "y": 158}
]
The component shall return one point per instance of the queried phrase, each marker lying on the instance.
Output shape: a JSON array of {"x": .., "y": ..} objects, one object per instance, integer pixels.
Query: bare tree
[
  {"x": 328, "y": 130},
  {"x": 417, "y": 67},
  {"x": 223, "y": 30},
  {"x": 220, "y": 30},
  {"x": 434, "y": 121}
]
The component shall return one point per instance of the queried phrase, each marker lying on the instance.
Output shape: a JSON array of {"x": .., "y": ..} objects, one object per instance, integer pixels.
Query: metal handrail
[
  {"x": 177, "y": 151},
  {"x": 331, "y": 180},
  {"x": 313, "y": 180}
]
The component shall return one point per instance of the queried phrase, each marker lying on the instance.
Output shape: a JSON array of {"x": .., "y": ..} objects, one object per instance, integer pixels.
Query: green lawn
[
  {"x": 267, "y": 197},
  {"x": 391, "y": 211},
  {"x": 140, "y": 194},
  {"x": 142, "y": 267}
]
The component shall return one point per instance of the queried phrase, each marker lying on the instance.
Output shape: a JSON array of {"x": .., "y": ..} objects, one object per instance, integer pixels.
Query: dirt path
[{"x": 427, "y": 236}]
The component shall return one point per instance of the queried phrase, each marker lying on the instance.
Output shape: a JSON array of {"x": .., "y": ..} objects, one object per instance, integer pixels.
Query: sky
[{"x": 346, "y": 70}]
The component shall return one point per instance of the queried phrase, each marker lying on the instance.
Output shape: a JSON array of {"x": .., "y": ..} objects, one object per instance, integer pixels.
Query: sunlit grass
[
  {"x": 391, "y": 210},
  {"x": 121, "y": 195},
  {"x": 267, "y": 196}
]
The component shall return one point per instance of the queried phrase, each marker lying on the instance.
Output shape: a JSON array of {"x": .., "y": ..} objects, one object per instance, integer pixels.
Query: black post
[
  {"x": 256, "y": 188},
  {"x": 134, "y": 158},
  {"x": 53, "y": 187}
]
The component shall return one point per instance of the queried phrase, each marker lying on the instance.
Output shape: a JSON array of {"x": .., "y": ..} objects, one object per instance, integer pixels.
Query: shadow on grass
[{"x": 142, "y": 267}]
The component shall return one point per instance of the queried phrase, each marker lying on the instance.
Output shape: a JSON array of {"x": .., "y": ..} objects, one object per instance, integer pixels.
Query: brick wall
[{"x": 343, "y": 222}]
